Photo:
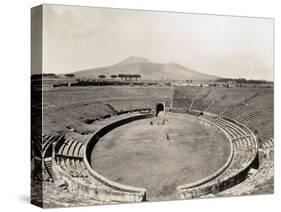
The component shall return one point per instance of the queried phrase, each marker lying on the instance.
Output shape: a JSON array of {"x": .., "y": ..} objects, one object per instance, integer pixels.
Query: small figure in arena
[{"x": 168, "y": 137}]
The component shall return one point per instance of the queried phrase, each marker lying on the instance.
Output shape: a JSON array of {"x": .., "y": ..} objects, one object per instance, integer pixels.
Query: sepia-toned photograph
[{"x": 133, "y": 106}]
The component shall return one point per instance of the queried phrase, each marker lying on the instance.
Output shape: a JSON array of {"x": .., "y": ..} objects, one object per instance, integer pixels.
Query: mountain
[
  {"x": 147, "y": 69},
  {"x": 134, "y": 60}
]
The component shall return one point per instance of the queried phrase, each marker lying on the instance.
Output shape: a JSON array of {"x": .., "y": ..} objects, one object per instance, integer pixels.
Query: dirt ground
[{"x": 161, "y": 157}]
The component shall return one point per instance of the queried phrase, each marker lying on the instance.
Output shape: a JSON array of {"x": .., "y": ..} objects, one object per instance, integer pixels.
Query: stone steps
[
  {"x": 244, "y": 152},
  {"x": 200, "y": 105},
  {"x": 71, "y": 148},
  {"x": 264, "y": 172}
]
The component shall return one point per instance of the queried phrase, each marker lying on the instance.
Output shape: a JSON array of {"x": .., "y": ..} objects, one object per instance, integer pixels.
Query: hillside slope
[{"x": 148, "y": 70}]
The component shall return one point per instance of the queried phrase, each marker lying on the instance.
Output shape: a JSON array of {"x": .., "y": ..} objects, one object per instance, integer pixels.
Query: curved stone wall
[
  {"x": 214, "y": 186},
  {"x": 218, "y": 172},
  {"x": 202, "y": 187},
  {"x": 125, "y": 193}
]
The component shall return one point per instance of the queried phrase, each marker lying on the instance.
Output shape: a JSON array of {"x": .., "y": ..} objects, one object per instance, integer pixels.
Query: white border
[{"x": 15, "y": 102}]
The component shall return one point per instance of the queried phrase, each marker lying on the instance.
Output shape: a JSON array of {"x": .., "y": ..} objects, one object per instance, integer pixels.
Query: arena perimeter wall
[{"x": 123, "y": 192}]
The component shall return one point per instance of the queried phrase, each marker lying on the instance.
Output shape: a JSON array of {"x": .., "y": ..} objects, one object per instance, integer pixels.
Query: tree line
[
  {"x": 242, "y": 81},
  {"x": 125, "y": 77},
  {"x": 113, "y": 76}
]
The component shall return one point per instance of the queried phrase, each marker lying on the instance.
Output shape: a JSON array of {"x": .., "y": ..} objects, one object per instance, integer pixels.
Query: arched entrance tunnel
[{"x": 160, "y": 107}]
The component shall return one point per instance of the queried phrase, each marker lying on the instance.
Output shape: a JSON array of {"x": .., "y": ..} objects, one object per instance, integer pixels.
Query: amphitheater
[{"x": 104, "y": 145}]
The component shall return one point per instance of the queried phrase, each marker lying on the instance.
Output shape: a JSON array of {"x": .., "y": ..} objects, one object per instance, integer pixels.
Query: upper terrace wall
[
  {"x": 68, "y": 108},
  {"x": 69, "y": 96},
  {"x": 220, "y": 99}
]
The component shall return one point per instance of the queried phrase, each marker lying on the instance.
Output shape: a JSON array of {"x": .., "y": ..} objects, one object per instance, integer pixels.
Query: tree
[
  {"x": 121, "y": 76},
  {"x": 69, "y": 75},
  {"x": 134, "y": 76},
  {"x": 50, "y": 75},
  {"x": 130, "y": 76},
  {"x": 102, "y": 76},
  {"x": 126, "y": 76},
  {"x": 113, "y": 76},
  {"x": 137, "y": 76}
]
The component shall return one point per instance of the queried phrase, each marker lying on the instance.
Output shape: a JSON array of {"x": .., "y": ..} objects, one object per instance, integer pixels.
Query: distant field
[
  {"x": 65, "y": 97},
  {"x": 70, "y": 107},
  {"x": 139, "y": 154}
]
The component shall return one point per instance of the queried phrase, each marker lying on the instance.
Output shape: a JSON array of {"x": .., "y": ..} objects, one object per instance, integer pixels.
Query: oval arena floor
[{"x": 161, "y": 157}]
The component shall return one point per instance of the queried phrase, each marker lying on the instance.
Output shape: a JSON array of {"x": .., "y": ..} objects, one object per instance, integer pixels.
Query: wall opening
[{"x": 160, "y": 107}]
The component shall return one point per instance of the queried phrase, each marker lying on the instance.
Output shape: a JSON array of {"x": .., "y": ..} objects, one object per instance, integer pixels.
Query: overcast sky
[{"x": 77, "y": 38}]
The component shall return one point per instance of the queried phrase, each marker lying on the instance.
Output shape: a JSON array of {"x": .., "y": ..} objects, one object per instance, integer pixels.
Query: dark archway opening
[{"x": 159, "y": 107}]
